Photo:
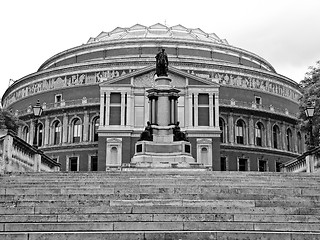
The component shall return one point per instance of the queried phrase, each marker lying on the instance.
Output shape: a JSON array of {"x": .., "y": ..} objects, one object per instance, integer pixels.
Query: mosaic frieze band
[{"x": 89, "y": 78}]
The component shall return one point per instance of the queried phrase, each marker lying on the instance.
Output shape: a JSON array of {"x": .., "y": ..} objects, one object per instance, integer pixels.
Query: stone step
[
  {"x": 160, "y": 217},
  {"x": 165, "y": 235},
  {"x": 205, "y": 190},
  {"x": 159, "y": 226},
  {"x": 160, "y": 209},
  {"x": 22, "y": 200}
]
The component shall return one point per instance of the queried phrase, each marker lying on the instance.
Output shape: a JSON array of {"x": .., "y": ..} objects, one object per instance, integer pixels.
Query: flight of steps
[{"x": 159, "y": 205}]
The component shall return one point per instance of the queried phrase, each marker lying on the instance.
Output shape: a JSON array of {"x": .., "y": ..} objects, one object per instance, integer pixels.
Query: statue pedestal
[
  {"x": 163, "y": 155},
  {"x": 163, "y": 152}
]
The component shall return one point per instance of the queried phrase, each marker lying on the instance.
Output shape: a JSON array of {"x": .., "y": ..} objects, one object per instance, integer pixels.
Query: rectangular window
[
  {"x": 57, "y": 99},
  {"x": 115, "y": 109},
  {"x": 278, "y": 166},
  {"x": 262, "y": 166},
  {"x": 73, "y": 164},
  {"x": 203, "y": 109},
  {"x": 139, "y": 102},
  {"x": 223, "y": 163},
  {"x": 258, "y": 100},
  {"x": 240, "y": 134},
  {"x": 76, "y": 133},
  {"x": 243, "y": 164},
  {"x": 94, "y": 163}
]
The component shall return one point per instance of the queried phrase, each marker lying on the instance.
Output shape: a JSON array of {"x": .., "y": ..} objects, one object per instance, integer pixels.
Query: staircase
[{"x": 159, "y": 205}]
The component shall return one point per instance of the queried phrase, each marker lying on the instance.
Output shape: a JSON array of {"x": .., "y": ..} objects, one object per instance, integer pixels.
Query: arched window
[
  {"x": 223, "y": 130},
  {"x": 76, "y": 130},
  {"x": 40, "y": 134},
  {"x": 299, "y": 142},
  {"x": 240, "y": 132},
  {"x": 259, "y": 133},
  {"x": 276, "y": 136},
  {"x": 204, "y": 155},
  {"x": 25, "y": 134},
  {"x": 114, "y": 155},
  {"x": 56, "y": 132},
  {"x": 289, "y": 139},
  {"x": 95, "y": 126}
]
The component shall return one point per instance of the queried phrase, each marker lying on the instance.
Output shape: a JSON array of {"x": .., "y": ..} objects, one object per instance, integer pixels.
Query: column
[
  {"x": 46, "y": 130},
  {"x": 123, "y": 108},
  {"x": 196, "y": 109},
  {"x": 269, "y": 134},
  {"x": 65, "y": 128},
  {"x": 107, "y": 108},
  {"x": 146, "y": 108},
  {"x": 251, "y": 131},
  {"x": 211, "y": 110},
  {"x": 85, "y": 126},
  {"x": 176, "y": 110},
  {"x": 231, "y": 128},
  {"x": 216, "y": 109},
  {"x": 102, "y": 113}
]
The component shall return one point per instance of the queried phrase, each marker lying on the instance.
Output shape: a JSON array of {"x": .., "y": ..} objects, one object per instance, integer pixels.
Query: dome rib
[{"x": 157, "y": 30}]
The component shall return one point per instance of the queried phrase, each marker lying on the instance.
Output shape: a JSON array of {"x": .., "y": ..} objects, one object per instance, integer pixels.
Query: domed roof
[{"x": 157, "y": 31}]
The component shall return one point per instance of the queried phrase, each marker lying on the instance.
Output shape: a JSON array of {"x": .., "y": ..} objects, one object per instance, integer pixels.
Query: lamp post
[
  {"x": 37, "y": 111},
  {"x": 309, "y": 111}
]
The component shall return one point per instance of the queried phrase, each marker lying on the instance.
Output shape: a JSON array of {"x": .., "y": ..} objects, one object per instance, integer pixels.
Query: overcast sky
[{"x": 284, "y": 32}]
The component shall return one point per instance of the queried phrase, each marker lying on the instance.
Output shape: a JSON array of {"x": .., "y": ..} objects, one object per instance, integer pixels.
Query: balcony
[
  {"x": 62, "y": 105},
  {"x": 258, "y": 107}
]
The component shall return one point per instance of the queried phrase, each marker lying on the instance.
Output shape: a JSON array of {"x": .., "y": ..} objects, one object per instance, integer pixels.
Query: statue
[
  {"x": 162, "y": 63},
  {"x": 146, "y": 135},
  {"x": 178, "y": 135}
]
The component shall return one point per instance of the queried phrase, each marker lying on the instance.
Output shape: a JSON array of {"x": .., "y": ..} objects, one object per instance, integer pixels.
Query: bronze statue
[
  {"x": 146, "y": 135},
  {"x": 162, "y": 63},
  {"x": 178, "y": 135}
]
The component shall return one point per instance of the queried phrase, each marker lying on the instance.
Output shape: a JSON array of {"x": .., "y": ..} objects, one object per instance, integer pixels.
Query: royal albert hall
[{"x": 239, "y": 114}]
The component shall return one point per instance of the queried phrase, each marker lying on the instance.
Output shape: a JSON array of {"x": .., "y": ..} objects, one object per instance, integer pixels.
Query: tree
[
  {"x": 9, "y": 121},
  {"x": 310, "y": 87}
]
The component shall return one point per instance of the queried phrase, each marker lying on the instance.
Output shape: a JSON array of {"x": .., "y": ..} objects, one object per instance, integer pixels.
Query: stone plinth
[{"x": 163, "y": 154}]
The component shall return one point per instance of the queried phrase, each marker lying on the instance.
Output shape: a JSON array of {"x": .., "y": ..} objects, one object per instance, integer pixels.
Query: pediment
[{"x": 145, "y": 77}]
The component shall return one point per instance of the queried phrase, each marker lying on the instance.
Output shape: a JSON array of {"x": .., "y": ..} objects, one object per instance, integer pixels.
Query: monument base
[{"x": 164, "y": 155}]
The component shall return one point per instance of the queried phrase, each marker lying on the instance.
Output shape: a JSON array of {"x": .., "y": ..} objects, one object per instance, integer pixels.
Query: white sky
[{"x": 284, "y": 32}]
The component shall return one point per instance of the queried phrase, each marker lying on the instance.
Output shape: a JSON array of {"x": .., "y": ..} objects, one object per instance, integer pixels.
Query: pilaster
[
  {"x": 102, "y": 112},
  {"x": 85, "y": 126},
  {"x": 231, "y": 128},
  {"x": 251, "y": 131},
  {"x": 65, "y": 128},
  {"x": 196, "y": 109},
  {"x": 211, "y": 110},
  {"x": 31, "y": 134},
  {"x": 123, "y": 108},
  {"x": 269, "y": 134},
  {"x": 283, "y": 135},
  {"x": 107, "y": 111},
  {"x": 46, "y": 130},
  {"x": 129, "y": 106},
  {"x": 216, "y": 109}
]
